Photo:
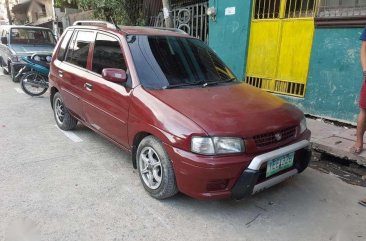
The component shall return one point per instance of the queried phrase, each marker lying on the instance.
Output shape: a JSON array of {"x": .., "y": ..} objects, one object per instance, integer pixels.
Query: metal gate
[
  {"x": 192, "y": 19},
  {"x": 281, "y": 38}
]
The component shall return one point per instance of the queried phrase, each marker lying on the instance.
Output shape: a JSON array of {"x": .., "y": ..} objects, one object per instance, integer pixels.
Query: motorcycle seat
[{"x": 42, "y": 63}]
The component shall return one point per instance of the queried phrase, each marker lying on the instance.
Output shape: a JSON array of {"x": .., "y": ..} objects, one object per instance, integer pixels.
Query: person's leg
[{"x": 361, "y": 127}]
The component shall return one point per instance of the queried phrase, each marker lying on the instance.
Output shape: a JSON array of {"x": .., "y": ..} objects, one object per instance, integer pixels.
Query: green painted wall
[
  {"x": 229, "y": 34},
  {"x": 335, "y": 75}
]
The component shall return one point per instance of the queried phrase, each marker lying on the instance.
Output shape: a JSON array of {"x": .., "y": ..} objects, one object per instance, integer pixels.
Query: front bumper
[
  {"x": 253, "y": 178},
  {"x": 233, "y": 176}
]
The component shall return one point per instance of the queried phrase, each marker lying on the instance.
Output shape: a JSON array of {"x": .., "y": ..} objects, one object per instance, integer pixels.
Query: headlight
[
  {"x": 303, "y": 125},
  {"x": 202, "y": 145},
  {"x": 217, "y": 145}
]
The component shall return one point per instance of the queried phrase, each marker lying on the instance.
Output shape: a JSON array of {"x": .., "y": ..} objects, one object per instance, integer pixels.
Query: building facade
[{"x": 306, "y": 51}]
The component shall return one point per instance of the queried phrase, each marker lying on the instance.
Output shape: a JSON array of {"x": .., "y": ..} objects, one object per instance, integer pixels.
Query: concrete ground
[{"x": 78, "y": 186}]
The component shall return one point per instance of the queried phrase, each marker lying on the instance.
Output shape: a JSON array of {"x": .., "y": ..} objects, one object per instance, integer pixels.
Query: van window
[
  {"x": 107, "y": 54},
  {"x": 77, "y": 53},
  {"x": 29, "y": 36},
  {"x": 65, "y": 42}
]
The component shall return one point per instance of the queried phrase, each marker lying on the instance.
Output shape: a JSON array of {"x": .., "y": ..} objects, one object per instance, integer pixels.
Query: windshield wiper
[
  {"x": 208, "y": 83},
  {"x": 202, "y": 83},
  {"x": 183, "y": 85}
]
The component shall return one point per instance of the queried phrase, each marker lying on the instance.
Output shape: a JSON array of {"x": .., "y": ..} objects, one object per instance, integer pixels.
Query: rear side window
[
  {"x": 107, "y": 54},
  {"x": 65, "y": 42},
  {"x": 77, "y": 53}
]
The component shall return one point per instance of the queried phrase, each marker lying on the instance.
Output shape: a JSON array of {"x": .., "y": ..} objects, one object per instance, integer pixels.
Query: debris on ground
[{"x": 346, "y": 170}]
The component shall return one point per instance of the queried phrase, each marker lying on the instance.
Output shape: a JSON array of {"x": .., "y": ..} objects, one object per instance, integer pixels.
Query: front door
[
  {"x": 106, "y": 103},
  {"x": 281, "y": 38}
]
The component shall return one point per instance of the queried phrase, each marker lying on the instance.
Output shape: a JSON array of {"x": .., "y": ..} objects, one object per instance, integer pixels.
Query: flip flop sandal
[
  {"x": 356, "y": 150},
  {"x": 363, "y": 203}
]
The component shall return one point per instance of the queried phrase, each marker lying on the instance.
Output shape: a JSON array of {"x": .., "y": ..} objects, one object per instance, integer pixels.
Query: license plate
[{"x": 280, "y": 163}]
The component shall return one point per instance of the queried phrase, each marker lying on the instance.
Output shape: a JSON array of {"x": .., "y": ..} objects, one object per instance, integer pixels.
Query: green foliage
[
  {"x": 66, "y": 3},
  {"x": 125, "y": 12}
]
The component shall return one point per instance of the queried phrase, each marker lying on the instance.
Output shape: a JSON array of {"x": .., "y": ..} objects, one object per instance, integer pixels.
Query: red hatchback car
[{"x": 167, "y": 98}]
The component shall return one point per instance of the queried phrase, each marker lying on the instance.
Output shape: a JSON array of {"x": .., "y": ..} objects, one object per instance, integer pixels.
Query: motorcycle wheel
[{"x": 31, "y": 84}]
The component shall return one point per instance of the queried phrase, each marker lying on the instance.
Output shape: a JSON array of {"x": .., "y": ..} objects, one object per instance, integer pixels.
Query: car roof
[
  {"x": 136, "y": 30},
  {"x": 22, "y": 26}
]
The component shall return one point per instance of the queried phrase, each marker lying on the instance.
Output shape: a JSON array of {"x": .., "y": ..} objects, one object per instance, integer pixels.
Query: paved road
[{"x": 81, "y": 187}]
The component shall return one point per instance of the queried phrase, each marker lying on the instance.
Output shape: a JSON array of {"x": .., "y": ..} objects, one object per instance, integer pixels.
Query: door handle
[
  {"x": 61, "y": 73},
  {"x": 88, "y": 87}
]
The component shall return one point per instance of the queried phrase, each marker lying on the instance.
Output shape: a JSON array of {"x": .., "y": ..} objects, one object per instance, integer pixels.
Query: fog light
[{"x": 217, "y": 185}]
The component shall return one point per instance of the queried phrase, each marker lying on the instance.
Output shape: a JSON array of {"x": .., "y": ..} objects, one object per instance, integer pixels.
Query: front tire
[
  {"x": 64, "y": 120},
  {"x": 155, "y": 169},
  {"x": 13, "y": 75}
]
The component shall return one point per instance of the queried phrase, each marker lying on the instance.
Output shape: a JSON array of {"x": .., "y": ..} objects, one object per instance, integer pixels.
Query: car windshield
[
  {"x": 31, "y": 36},
  {"x": 169, "y": 61}
]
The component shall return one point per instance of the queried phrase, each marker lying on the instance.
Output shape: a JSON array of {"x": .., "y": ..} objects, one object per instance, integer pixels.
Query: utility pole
[
  {"x": 54, "y": 20},
  {"x": 8, "y": 12},
  {"x": 167, "y": 14}
]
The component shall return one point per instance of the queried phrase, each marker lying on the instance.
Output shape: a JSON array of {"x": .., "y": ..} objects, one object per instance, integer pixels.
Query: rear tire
[
  {"x": 27, "y": 87},
  {"x": 64, "y": 120},
  {"x": 155, "y": 169}
]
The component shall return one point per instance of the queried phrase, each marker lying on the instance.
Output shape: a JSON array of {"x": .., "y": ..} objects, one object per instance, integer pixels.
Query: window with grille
[
  {"x": 342, "y": 8},
  {"x": 341, "y": 12},
  {"x": 267, "y": 9},
  {"x": 300, "y": 8},
  {"x": 270, "y": 9}
]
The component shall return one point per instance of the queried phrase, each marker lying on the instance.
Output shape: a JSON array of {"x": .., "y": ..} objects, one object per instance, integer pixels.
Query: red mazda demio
[{"x": 167, "y": 98}]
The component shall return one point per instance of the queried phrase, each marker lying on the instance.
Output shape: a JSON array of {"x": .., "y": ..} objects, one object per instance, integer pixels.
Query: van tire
[{"x": 13, "y": 75}]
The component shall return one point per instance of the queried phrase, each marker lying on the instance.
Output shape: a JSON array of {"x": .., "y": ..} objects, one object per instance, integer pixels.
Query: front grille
[{"x": 273, "y": 137}]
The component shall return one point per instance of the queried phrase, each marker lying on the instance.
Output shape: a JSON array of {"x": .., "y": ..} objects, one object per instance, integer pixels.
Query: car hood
[
  {"x": 25, "y": 50},
  {"x": 231, "y": 110}
]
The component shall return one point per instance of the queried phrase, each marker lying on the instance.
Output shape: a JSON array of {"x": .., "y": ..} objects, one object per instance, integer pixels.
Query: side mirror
[
  {"x": 118, "y": 76},
  {"x": 4, "y": 40}
]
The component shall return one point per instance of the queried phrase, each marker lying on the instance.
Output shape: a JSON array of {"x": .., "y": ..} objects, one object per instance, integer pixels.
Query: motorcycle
[{"x": 34, "y": 74}]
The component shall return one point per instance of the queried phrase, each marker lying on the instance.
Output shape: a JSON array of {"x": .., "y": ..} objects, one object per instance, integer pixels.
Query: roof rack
[
  {"x": 95, "y": 23},
  {"x": 176, "y": 30}
]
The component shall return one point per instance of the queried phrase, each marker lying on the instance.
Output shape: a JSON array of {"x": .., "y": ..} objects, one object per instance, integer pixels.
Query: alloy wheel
[
  {"x": 150, "y": 168},
  {"x": 59, "y": 110}
]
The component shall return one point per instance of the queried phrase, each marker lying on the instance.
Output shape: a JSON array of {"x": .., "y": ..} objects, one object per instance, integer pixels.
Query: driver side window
[{"x": 107, "y": 54}]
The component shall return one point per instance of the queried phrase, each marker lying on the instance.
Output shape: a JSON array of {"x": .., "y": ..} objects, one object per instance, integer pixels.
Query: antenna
[{"x": 118, "y": 28}]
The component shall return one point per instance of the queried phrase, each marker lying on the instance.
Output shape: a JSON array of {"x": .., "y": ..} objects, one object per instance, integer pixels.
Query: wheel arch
[
  {"x": 136, "y": 141},
  {"x": 53, "y": 91}
]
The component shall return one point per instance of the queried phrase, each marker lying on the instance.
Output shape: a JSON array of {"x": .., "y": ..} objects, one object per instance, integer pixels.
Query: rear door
[
  {"x": 71, "y": 71},
  {"x": 106, "y": 103}
]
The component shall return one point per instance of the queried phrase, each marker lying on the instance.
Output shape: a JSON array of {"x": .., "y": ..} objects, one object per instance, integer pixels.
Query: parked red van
[{"x": 167, "y": 98}]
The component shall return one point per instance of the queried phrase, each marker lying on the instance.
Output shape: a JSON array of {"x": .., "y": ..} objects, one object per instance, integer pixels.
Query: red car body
[{"x": 125, "y": 115}]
